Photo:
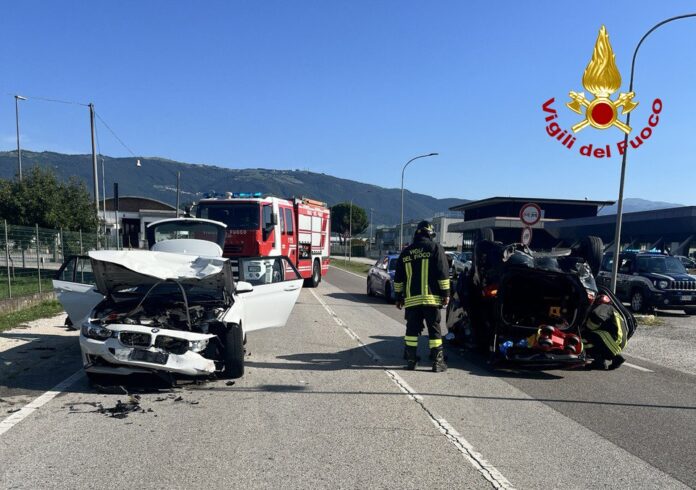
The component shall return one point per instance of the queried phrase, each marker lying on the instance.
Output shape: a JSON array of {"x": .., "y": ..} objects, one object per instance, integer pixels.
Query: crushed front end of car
[{"x": 161, "y": 312}]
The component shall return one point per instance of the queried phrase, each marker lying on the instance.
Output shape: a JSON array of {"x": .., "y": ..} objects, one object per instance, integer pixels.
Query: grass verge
[
  {"x": 357, "y": 267},
  {"x": 42, "y": 310}
]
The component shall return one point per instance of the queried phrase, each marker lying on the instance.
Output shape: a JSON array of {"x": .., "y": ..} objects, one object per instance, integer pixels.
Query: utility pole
[
  {"x": 103, "y": 194},
  {"x": 178, "y": 190},
  {"x": 94, "y": 163},
  {"x": 19, "y": 150}
]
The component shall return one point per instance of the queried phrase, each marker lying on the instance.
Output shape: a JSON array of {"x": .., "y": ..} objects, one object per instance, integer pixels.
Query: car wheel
[
  {"x": 591, "y": 249},
  {"x": 316, "y": 276},
  {"x": 638, "y": 304},
  {"x": 233, "y": 354},
  {"x": 388, "y": 292},
  {"x": 369, "y": 288}
]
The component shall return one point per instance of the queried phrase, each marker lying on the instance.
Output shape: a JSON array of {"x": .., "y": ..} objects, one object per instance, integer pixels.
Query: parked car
[
  {"x": 380, "y": 278},
  {"x": 687, "y": 262},
  {"x": 176, "y": 308},
  {"x": 651, "y": 280},
  {"x": 462, "y": 263}
]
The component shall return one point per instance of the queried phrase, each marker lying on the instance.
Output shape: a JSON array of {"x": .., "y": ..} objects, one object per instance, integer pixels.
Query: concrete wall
[{"x": 16, "y": 304}]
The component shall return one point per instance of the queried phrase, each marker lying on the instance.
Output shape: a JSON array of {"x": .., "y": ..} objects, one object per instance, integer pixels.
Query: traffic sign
[
  {"x": 526, "y": 238},
  {"x": 530, "y": 214}
]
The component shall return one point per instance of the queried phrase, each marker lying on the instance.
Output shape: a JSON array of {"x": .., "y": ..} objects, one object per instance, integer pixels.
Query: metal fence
[{"x": 32, "y": 255}]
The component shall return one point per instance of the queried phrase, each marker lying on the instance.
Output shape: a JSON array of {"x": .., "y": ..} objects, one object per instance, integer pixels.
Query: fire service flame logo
[{"x": 601, "y": 79}]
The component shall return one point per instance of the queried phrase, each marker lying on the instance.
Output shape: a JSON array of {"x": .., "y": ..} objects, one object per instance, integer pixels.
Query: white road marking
[
  {"x": 37, "y": 403},
  {"x": 348, "y": 272},
  {"x": 487, "y": 470},
  {"x": 639, "y": 368}
]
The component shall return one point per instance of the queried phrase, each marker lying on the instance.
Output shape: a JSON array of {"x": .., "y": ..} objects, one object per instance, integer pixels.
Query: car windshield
[
  {"x": 392, "y": 264},
  {"x": 237, "y": 216},
  {"x": 661, "y": 265},
  {"x": 185, "y": 229}
]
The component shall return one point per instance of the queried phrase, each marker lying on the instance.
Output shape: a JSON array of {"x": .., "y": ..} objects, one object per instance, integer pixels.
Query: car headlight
[
  {"x": 662, "y": 284},
  {"x": 198, "y": 345},
  {"x": 96, "y": 332}
]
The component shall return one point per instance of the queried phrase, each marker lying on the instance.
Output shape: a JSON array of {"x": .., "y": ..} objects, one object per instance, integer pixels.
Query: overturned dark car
[{"x": 539, "y": 308}]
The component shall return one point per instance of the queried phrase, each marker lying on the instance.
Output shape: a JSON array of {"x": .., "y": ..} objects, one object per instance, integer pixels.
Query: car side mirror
[
  {"x": 244, "y": 287},
  {"x": 274, "y": 219}
]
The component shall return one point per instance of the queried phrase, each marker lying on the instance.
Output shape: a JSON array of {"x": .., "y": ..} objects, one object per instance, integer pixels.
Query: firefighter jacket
[
  {"x": 606, "y": 332},
  {"x": 422, "y": 274}
]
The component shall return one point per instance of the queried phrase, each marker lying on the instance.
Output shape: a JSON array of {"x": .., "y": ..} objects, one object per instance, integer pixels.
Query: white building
[
  {"x": 448, "y": 239},
  {"x": 134, "y": 214}
]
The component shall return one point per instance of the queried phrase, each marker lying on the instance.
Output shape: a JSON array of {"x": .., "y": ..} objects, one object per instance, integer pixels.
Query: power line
[
  {"x": 115, "y": 135},
  {"x": 47, "y": 99}
]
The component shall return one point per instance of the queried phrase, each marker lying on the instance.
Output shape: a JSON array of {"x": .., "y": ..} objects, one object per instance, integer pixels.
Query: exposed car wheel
[
  {"x": 233, "y": 354},
  {"x": 370, "y": 292},
  {"x": 591, "y": 249},
  {"x": 638, "y": 303},
  {"x": 314, "y": 281},
  {"x": 388, "y": 292}
]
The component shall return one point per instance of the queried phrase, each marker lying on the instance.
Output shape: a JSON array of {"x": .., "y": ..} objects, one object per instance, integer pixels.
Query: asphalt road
[{"x": 325, "y": 403}]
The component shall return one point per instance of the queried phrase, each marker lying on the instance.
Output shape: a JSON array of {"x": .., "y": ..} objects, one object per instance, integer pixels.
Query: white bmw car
[{"x": 176, "y": 308}]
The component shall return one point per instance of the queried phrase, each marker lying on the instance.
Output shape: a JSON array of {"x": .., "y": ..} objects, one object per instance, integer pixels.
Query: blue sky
[{"x": 355, "y": 88}]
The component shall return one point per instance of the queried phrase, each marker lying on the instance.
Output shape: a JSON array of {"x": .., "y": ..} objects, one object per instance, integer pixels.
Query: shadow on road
[{"x": 389, "y": 352}]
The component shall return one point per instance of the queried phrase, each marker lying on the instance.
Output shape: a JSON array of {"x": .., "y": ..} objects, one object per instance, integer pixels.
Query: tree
[
  {"x": 42, "y": 199},
  {"x": 341, "y": 218}
]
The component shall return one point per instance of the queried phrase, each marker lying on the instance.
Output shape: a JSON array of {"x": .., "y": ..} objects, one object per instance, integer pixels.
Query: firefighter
[{"x": 422, "y": 286}]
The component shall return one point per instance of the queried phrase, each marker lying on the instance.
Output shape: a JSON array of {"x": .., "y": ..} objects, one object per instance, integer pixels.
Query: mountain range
[{"x": 156, "y": 178}]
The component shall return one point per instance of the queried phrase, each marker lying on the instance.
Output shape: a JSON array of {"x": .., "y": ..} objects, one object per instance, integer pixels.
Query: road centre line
[
  {"x": 488, "y": 471},
  {"x": 38, "y": 402},
  {"x": 639, "y": 368}
]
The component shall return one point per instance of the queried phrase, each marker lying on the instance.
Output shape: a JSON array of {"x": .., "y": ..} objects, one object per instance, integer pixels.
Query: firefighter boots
[{"x": 411, "y": 358}]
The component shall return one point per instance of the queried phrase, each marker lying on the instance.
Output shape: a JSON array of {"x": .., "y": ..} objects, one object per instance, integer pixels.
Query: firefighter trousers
[{"x": 416, "y": 317}]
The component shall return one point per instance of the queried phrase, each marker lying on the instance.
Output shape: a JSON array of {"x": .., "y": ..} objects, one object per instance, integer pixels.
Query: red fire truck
[{"x": 259, "y": 225}]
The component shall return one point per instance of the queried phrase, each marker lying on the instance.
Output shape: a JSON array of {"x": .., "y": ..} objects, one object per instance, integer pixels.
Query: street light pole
[
  {"x": 19, "y": 149},
  {"x": 619, "y": 208},
  {"x": 401, "y": 232},
  {"x": 369, "y": 244},
  {"x": 350, "y": 232}
]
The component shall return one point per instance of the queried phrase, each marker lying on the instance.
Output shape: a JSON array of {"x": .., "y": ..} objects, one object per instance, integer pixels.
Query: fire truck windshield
[{"x": 237, "y": 216}]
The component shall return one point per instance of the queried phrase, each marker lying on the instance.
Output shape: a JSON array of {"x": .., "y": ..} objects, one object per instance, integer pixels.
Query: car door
[
  {"x": 75, "y": 289},
  {"x": 276, "y": 287},
  {"x": 623, "y": 279}
]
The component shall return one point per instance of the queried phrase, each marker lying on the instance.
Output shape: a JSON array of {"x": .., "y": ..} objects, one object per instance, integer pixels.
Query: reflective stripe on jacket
[{"x": 422, "y": 274}]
